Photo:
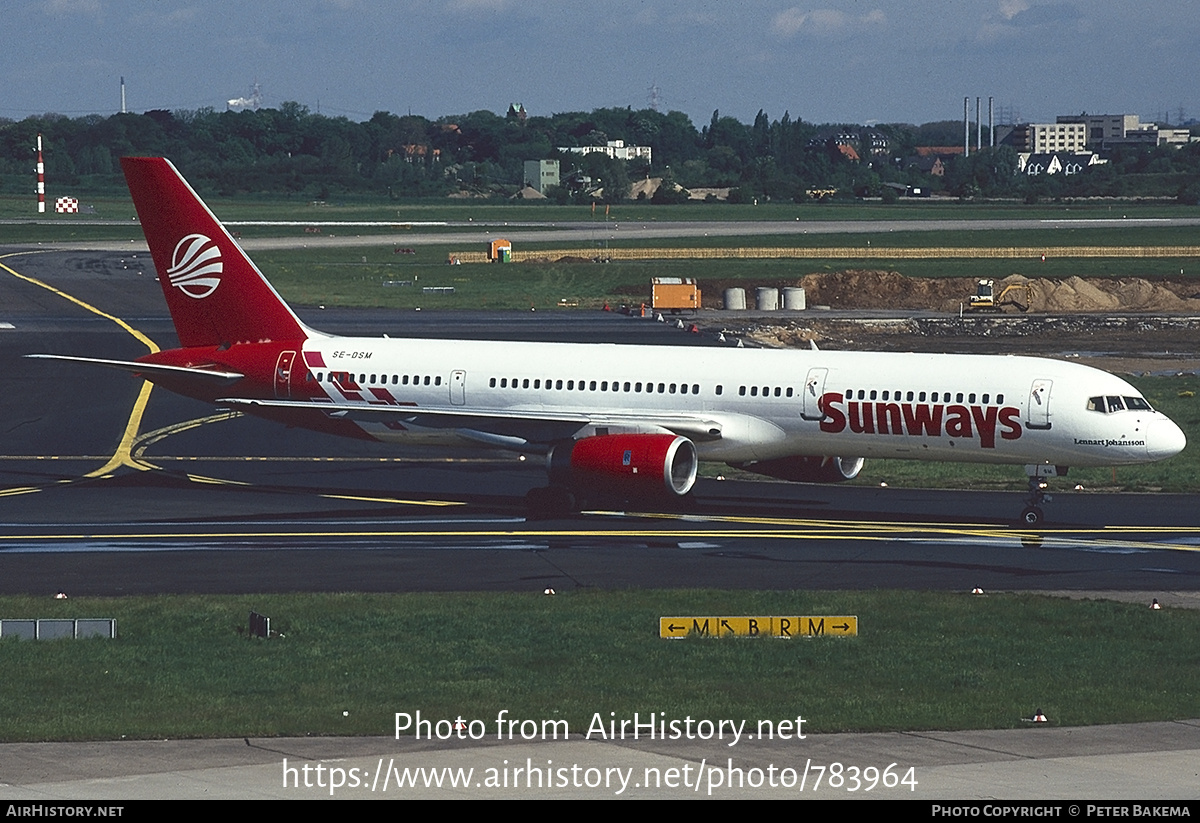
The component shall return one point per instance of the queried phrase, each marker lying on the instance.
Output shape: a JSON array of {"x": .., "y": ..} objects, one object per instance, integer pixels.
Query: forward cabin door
[{"x": 1038, "y": 414}]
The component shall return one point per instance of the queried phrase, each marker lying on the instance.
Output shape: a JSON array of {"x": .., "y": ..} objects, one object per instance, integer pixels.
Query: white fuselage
[{"x": 755, "y": 404}]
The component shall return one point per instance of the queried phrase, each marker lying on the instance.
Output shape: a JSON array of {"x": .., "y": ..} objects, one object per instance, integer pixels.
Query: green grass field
[
  {"x": 183, "y": 667},
  {"x": 357, "y": 277}
]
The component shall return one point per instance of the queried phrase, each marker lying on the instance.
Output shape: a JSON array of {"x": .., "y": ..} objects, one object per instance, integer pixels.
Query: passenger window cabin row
[
  {"x": 920, "y": 397},
  {"x": 550, "y": 384},
  {"x": 639, "y": 387},
  {"x": 376, "y": 379}
]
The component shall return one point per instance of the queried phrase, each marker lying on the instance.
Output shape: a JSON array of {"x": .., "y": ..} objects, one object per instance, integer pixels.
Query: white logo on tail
[{"x": 196, "y": 266}]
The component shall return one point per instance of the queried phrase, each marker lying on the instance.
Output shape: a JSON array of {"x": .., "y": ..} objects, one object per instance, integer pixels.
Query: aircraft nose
[{"x": 1165, "y": 440}]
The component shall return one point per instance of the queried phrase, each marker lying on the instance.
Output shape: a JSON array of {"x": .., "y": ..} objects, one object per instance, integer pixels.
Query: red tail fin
[{"x": 215, "y": 293}]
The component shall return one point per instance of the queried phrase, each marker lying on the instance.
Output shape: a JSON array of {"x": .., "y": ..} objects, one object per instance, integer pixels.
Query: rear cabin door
[
  {"x": 458, "y": 387},
  {"x": 283, "y": 375}
]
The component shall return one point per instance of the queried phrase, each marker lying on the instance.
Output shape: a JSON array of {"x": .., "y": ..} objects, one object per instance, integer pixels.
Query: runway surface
[{"x": 107, "y": 487}]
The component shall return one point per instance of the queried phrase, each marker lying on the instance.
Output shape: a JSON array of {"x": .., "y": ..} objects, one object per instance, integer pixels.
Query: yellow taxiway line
[
  {"x": 836, "y": 530},
  {"x": 122, "y": 456}
]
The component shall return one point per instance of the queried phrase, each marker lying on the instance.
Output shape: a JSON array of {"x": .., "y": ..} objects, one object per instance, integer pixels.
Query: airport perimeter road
[
  {"x": 1153, "y": 764},
  {"x": 571, "y": 232}
]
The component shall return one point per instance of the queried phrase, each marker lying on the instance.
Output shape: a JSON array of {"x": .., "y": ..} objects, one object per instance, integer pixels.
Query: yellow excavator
[{"x": 986, "y": 299}]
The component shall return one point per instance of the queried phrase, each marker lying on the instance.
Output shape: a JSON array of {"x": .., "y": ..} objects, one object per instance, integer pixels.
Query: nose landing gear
[{"x": 1032, "y": 514}]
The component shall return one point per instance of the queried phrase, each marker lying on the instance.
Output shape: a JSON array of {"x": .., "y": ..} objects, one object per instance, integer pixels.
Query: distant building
[
  {"x": 541, "y": 174},
  {"x": 931, "y": 165},
  {"x": 1110, "y": 130},
  {"x": 615, "y": 149},
  {"x": 1152, "y": 135},
  {"x": 1048, "y": 138},
  {"x": 848, "y": 151},
  {"x": 418, "y": 151},
  {"x": 852, "y": 144},
  {"x": 933, "y": 160},
  {"x": 1102, "y": 128},
  {"x": 1064, "y": 163}
]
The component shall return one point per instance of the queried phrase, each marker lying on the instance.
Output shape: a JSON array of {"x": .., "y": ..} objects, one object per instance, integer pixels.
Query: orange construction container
[{"x": 674, "y": 294}]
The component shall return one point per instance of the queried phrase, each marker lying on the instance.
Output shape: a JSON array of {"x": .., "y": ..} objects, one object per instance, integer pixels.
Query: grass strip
[{"x": 345, "y": 663}]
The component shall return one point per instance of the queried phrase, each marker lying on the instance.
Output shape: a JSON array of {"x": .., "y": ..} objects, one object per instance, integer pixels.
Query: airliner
[{"x": 616, "y": 419}]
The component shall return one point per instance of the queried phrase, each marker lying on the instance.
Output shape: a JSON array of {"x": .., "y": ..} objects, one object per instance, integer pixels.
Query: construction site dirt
[{"x": 1131, "y": 326}]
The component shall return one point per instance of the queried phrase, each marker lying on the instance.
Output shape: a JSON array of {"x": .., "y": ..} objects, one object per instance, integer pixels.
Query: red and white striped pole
[{"x": 41, "y": 171}]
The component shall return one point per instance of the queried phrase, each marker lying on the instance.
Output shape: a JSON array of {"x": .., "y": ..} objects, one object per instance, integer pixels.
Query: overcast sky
[{"x": 853, "y": 61}]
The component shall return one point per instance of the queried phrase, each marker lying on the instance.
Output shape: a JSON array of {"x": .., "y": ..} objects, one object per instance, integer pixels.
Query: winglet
[{"x": 215, "y": 293}]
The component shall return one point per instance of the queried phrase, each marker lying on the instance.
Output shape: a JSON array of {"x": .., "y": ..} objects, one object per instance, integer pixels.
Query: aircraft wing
[
  {"x": 515, "y": 427},
  {"x": 138, "y": 367}
]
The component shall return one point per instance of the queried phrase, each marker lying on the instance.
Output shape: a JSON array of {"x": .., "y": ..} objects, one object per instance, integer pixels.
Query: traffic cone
[
  {"x": 976, "y": 590},
  {"x": 1038, "y": 717},
  {"x": 1154, "y": 605}
]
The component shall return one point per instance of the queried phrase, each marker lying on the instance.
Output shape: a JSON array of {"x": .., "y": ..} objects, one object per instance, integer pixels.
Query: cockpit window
[{"x": 1112, "y": 403}]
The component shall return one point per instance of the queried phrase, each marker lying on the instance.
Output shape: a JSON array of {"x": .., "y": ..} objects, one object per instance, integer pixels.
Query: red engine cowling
[
  {"x": 629, "y": 463},
  {"x": 805, "y": 469}
]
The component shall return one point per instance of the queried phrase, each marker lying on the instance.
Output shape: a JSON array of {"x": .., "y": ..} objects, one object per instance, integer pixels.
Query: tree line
[{"x": 292, "y": 151}]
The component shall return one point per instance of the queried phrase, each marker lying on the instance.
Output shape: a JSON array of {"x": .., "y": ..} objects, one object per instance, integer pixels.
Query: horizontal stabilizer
[{"x": 147, "y": 368}]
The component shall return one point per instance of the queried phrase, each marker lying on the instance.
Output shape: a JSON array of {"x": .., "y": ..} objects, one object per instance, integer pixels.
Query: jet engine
[
  {"x": 806, "y": 469},
  {"x": 627, "y": 463}
]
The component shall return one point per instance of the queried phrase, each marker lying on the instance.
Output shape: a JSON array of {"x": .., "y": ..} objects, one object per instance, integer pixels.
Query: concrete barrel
[
  {"x": 735, "y": 299},
  {"x": 766, "y": 298},
  {"x": 794, "y": 299}
]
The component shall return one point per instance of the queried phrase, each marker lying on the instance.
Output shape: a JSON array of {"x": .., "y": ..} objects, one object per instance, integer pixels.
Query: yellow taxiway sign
[{"x": 783, "y": 627}]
